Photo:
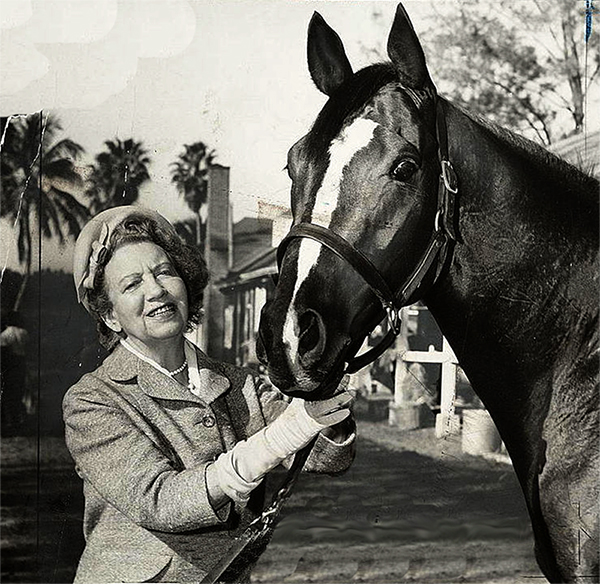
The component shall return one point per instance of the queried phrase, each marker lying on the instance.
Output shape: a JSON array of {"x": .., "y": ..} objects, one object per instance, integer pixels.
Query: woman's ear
[{"x": 112, "y": 322}]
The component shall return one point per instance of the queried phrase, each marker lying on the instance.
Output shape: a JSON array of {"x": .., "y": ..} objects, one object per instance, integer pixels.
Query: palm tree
[
  {"x": 118, "y": 174},
  {"x": 38, "y": 184},
  {"x": 187, "y": 230},
  {"x": 189, "y": 174}
]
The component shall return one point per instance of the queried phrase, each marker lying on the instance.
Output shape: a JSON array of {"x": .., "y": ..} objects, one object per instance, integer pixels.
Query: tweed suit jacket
[{"x": 141, "y": 443}]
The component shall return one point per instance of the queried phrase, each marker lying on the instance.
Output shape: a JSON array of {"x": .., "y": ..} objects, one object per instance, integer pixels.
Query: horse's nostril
[
  {"x": 312, "y": 337},
  {"x": 309, "y": 331}
]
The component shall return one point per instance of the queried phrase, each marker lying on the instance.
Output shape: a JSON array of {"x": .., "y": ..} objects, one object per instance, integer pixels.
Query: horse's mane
[{"x": 537, "y": 156}]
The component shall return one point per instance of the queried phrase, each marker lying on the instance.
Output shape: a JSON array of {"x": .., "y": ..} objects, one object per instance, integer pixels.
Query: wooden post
[
  {"x": 406, "y": 411},
  {"x": 446, "y": 422}
]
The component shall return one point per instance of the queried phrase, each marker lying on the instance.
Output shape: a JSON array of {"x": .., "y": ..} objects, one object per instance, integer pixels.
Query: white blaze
[
  {"x": 352, "y": 139},
  {"x": 355, "y": 137},
  {"x": 307, "y": 258}
]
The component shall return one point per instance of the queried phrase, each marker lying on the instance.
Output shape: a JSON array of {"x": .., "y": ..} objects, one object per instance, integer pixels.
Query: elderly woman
[{"x": 171, "y": 445}]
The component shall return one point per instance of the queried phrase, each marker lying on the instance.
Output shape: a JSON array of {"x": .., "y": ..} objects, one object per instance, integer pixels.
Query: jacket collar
[{"x": 122, "y": 365}]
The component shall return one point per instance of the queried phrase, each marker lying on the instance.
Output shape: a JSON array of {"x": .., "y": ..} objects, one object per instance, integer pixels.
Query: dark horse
[{"x": 398, "y": 195}]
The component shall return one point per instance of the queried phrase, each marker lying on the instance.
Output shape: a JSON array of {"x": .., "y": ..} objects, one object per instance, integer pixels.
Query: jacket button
[{"x": 208, "y": 421}]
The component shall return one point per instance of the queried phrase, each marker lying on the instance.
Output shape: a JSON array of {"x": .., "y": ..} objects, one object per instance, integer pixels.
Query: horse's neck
[{"x": 523, "y": 282}]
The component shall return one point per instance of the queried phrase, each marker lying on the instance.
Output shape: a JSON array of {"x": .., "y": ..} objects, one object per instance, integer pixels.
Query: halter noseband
[{"x": 444, "y": 232}]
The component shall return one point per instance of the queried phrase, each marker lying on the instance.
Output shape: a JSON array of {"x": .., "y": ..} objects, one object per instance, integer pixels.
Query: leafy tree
[
  {"x": 525, "y": 65},
  {"x": 118, "y": 174},
  {"x": 38, "y": 184},
  {"x": 189, "y": 173},
  {"x": 520, "y": 64},
  {"x": 187, "y": 230}
]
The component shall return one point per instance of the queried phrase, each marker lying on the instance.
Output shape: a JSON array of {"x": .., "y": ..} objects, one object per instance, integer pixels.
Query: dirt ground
[{"x": 411, "y": 509}]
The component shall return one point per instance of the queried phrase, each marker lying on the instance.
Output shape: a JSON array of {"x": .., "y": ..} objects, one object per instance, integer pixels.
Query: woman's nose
[{"x": 154, "y": 289}]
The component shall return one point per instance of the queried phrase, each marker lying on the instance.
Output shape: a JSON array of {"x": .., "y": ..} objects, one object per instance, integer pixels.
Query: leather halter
[{"x": 444, "y": 232}]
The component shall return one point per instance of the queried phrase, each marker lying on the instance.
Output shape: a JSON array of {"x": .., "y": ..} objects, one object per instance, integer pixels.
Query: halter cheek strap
[{"x": 444, "y": 232}]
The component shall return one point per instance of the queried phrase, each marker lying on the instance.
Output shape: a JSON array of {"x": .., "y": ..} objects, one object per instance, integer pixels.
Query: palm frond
[
  {"x": 48, "y": 219},
  {"x": 63, "y": 149},
  {"x": 37, "y": 175},
  {"x": 73, "y": 220}
]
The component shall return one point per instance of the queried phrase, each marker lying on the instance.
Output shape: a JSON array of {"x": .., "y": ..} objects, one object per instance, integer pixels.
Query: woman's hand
[
  {"x": 333, "y": 410},
  {"x": 334, "y": 413},
  {"x": 240, "y": 470}
]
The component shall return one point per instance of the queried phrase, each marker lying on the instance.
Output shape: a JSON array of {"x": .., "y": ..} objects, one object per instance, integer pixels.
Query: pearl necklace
[
  {"x": 194, "y": 383},
  {"x": 178, "y": 370},
  {"x": 190, "y": 360}
]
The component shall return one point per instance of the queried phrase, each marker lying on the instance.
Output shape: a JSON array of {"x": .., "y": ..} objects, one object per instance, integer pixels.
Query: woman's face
[{"x": 149, "y": 299}]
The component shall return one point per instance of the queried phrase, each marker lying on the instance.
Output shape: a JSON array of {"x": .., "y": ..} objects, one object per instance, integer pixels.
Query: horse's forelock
[{"x": 346, "y": 103}]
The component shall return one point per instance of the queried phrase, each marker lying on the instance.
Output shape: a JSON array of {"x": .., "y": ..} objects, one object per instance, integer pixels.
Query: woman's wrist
[{"x": 216, "y": 496}]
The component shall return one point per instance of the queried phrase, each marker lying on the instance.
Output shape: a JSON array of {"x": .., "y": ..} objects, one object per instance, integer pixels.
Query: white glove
[{"x": 241, "y": 470}]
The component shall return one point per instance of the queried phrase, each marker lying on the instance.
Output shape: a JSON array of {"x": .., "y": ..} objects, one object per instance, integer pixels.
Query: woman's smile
[{"x": 165, "y": 311}]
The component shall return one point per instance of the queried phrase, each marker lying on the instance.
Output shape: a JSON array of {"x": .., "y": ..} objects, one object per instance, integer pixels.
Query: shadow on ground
[{"x": 411, "y": 509}]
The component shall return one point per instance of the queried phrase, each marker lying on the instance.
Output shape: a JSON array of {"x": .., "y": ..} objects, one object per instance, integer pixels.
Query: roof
[
  {"x": 260, "y": 265},
  {"x": 252, "y": 225},
  {"x": 252, "y": 237},
  {"x": 581, "y": 150}
]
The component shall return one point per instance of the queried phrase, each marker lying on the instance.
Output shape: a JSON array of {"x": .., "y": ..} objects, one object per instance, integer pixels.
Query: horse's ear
[
  {"x": 406, "y": 53},
  {"x": 327, "y": 62}
]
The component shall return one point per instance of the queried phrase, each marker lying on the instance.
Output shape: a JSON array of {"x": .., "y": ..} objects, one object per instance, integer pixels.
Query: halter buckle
[
  {"x": 449, "y": 177},
  {"x": 393, "y": 316}
]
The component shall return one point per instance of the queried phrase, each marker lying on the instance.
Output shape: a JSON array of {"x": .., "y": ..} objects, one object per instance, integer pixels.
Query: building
[{"x": 246, "y": 288}]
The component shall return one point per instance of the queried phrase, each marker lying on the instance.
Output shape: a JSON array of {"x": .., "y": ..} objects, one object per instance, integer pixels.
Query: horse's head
[{"x": 366, "y": 175}]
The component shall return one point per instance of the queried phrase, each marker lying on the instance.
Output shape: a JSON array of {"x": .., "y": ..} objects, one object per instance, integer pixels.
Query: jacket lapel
[
  {"x": 122, "y": 365},
  {"x": 156, "y": 384},
  {"x": 212, "y": 384}
]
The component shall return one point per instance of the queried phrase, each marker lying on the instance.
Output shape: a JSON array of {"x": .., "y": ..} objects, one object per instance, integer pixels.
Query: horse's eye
[{"x": 404, "y": 169}]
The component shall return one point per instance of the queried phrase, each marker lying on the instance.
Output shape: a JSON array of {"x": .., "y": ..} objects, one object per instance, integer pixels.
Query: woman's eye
[
  {"x": 130, "y": 286},
  {"x": 404, "y": 169}
]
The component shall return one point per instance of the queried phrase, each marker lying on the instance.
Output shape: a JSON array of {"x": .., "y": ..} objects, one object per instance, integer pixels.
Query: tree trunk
[
  {"x": 572, "y": 68},
  {"x": 199, "y": 230},
  {"x": 26, "y": 257},
  {"x": 22, "y": 289},
  {"x": 200, "y": 235}
]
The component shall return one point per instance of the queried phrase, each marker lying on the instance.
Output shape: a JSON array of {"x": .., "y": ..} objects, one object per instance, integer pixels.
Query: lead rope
[{"x": 258, "y": 534}]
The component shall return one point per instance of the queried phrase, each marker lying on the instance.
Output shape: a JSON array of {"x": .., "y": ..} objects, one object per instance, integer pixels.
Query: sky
[{"x": 231, "y": 73}]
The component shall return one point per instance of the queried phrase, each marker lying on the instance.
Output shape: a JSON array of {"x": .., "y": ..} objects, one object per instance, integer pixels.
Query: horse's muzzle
[{"x": 311, "y": 372}]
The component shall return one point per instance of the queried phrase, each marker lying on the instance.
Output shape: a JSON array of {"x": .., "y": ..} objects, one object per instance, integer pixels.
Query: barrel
[
  {"x": 479, "y": 433},
  {"x": 405, "y": 417}
]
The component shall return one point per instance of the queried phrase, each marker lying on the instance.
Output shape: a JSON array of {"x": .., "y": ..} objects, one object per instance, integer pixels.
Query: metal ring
[
  {"x": 449, "y": 176},
  {"x": 437, "y": 221}
]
